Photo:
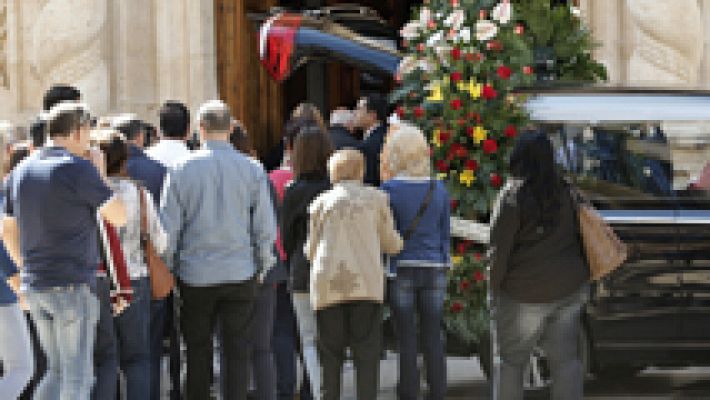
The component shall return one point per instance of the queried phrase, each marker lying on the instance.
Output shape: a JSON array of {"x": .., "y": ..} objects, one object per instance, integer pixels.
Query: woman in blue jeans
[
  {"x": 133, "y": 324},
  {"x": 421, "y": 210},
  {"x": 538, "y": 273}
]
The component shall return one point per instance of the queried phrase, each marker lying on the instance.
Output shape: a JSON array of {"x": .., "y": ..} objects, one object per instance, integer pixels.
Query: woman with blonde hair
[{"x": 420, "y": 206}]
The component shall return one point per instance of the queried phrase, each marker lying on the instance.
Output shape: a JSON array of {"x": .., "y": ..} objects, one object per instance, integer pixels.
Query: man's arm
[
  {"x": 263, "y": 227},
  {"x": 11, "y": 238},
  {"x": 171, "y": 215},
  {"x": 114, "y": 211}
]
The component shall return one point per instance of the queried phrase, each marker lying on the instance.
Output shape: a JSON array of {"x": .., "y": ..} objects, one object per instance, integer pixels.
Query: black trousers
[
  {"x": 200, "y": 308},
  {"x": 357, "y": 325}
]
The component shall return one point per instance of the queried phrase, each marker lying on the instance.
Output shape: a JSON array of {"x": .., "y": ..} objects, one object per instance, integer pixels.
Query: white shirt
[
  {"x": 130, "y": 234},
  {"x": 168, "y": 151}
]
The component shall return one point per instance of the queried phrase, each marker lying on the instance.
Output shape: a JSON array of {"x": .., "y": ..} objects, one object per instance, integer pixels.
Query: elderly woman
[
  {"x": 350, "y": 227},
  {"x": 420, "y": 206}
]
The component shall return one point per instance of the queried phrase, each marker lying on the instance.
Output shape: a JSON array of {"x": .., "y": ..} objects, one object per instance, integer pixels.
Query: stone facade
[{"x": 125, "y": 56}]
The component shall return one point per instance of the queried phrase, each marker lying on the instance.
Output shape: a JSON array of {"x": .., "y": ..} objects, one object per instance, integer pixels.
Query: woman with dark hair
[
  {"x": 309, "y": 158},
  {"x": 132, "y": 325},
  {"x": 538, "y": 273}
]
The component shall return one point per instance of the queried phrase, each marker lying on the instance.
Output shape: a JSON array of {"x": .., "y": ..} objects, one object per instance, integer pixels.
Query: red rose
[
  {"x": 456, "y": 307},
  {"x": 477, "y": 256},
  {"x": 444, "y": 136},
  {"x": 456, "y": 54},
  {"x": 461, "y": 121},
  {"x": 400, "y": 112},
  {"x": 456, "y": 76},
  {"x": 488, "y": 92},
  {"x": 464, "y": 284},
  {"x": 461, "y": 248},
  {"x": 458, "y": 150},
  {"x": 527, "y": 70},
  {"x": 511, "y": 131},
  {"x": 496, "y": 180},
  {"x": 454, "y": 3},
  {"x": 442, "y": 166},
  {"x": 504, "y": 72},
  {"x": 519, "y": 29},
  {"x": 421, "y": 47},
  {"x": 474, "y": 57},
  {"x": 456, "y": 104},
  {"x": 471, "y": 165},
  {"x": 469, "y": 131},
  {"x": 419, "y": 112},
  {"x": 494, "y": 45},
  {"x": 490, "y": 146},
  {"x": 454, "y": 204},
  {"x": 478, "y": 276},
  {"x": 482, "y": 14},
  {"x": 431, "y": 24}
]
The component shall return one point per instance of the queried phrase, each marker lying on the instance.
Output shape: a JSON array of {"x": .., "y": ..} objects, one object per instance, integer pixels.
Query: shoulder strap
[
  {"x": 422, "y": 209},
  {"x": 144, "y": 216}
]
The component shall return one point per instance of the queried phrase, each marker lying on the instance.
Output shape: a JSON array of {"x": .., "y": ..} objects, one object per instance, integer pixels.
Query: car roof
[{"x": 597, "y": 104}]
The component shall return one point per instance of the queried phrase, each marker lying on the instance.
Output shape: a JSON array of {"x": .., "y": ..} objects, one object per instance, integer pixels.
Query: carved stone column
[
  {"x": 68, "y": 46},
  {"x": 669, "y": 42}
]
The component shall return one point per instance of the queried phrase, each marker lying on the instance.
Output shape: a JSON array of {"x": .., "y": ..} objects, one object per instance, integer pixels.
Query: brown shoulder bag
[
  {"x": 605, "y": 251},
  {"x": 162, "y": 280}
]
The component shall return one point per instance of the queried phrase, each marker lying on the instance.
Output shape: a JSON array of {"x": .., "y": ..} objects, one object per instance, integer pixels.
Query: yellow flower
[
  {"x": 472, "y": 87},
  {"x": 436, "y": 93},
  {"x": 457, "y": 260},
  {"x": 479, "y": 134},
  {"x": 436, "y": 138},
  {"x": 441, "y": 176},
  {"x": 467, "y": 177}
]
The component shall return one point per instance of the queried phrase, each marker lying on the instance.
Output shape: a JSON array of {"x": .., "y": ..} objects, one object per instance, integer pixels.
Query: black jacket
[
  {"x": 294, "y": 226},
  {"x": 342, "y": 138},
  {"x": 371, "y": 148},
  {"x": 531, "y": 263}
]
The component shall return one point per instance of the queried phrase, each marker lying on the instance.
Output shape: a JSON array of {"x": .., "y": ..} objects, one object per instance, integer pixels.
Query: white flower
[
  {"x": 576, "y": 11},
  {"x": 407, "y": 65},
  {"x": 503, "y": 12},
  {"x": 455, "y": 19},
  {"x": 442, "y": 52},
  {"x": 424, "y": 16},
  {"x": 410, "y": 31},
  {"x": 435, "y": 38},
  {"x": 465, "y": 35},
  {"x": 485, "y": 30}
]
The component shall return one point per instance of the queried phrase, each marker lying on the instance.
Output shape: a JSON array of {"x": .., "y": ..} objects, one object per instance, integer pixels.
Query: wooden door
[{"x": 254, "y": 98}]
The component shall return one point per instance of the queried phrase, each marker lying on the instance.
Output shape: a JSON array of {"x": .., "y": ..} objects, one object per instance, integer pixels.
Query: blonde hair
[
  {"x": 406, "y": 152},
  {"x": 346, "y": 165}
]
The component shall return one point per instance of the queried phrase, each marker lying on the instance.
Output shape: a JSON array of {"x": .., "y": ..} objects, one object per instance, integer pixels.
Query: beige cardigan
[{"x": 351, "y": 226}]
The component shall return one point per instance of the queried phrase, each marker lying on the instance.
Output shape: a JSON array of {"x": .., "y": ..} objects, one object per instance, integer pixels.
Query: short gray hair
[{"x": 214, "y": 116}]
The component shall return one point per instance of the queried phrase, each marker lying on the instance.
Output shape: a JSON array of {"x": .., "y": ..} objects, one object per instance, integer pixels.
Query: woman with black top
[
  {"x": 310, "y": 152},
  {"x": 538, "y": 272}
]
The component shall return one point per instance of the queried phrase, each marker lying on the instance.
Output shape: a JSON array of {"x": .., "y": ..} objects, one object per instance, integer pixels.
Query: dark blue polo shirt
[
  {"x": 147, "y": 171},
  {"x": 55, "y": 196}
]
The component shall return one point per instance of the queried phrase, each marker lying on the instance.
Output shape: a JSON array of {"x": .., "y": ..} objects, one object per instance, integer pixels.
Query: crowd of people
[
  {"x": 120, "y": 245},
  {"x": 270, "y": 265}
]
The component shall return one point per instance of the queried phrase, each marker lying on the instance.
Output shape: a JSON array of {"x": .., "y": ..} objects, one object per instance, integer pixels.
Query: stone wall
[{"x": 125, "y": 56}]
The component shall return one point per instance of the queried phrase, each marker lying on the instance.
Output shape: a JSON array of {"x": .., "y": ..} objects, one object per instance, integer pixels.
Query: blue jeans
[
  {"x": 15, "y": 351},
  {"x": 521, "y": 326},
  {"x": 105, "y": 348},
  {"x": 420, "y": 291},
  {"x": 66, "y": 322},
  {"x": 133, "y": 333},
  {"x": 158, "y": 314},
  {"x": 284, "y": 343}
]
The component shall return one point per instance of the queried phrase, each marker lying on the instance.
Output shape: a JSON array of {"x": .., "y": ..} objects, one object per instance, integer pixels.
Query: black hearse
[{"x": 641, "y": 155}]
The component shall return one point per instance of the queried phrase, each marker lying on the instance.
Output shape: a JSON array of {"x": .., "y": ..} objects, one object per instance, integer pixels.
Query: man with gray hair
[
  {"x": 217, "y": 210},
  {"x": 341, "y": 121}
]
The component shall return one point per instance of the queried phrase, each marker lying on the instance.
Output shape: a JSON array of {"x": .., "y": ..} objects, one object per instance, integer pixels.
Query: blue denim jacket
[{"x": 218, "y": 214}]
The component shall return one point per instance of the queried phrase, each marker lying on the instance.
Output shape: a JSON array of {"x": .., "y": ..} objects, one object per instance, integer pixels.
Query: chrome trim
[{"x": 652, "y": 345}]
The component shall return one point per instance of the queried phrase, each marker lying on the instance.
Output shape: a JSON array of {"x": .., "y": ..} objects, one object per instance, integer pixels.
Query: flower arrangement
[{"x": 463, "y": 60}]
